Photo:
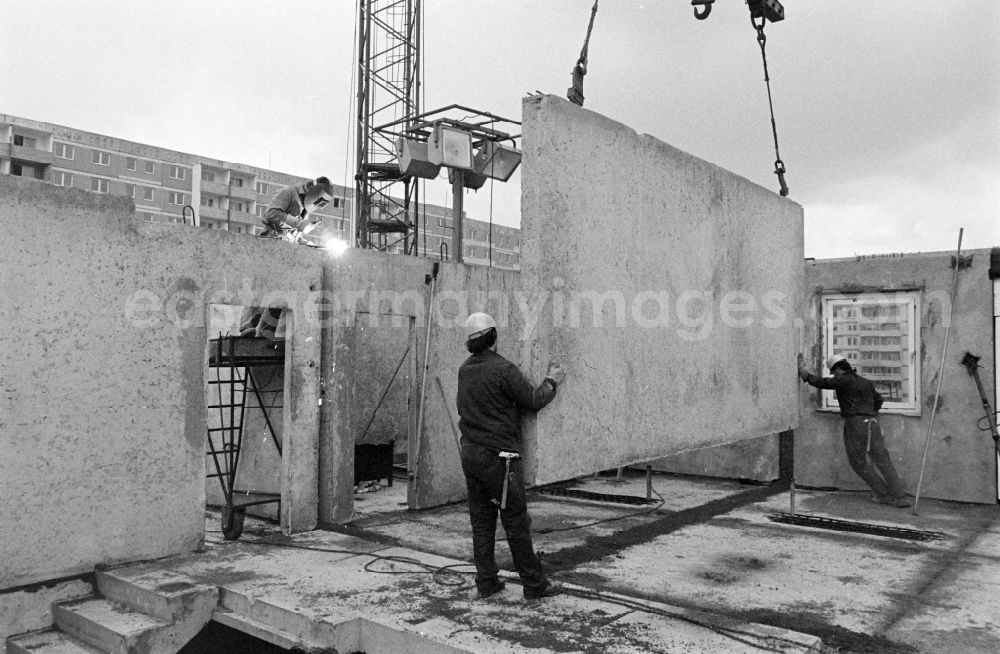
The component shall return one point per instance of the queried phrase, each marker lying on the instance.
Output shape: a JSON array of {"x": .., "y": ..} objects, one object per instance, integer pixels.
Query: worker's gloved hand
[
  {"x": 556, "y": 373},
  {"x": 803, "y": 371}
]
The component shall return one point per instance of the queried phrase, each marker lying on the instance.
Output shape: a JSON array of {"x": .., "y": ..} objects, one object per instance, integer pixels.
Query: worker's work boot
[
  {"x": 548, "y": 589},
  {"x": 899, "y": 502},
  {"x": 492, "y": 590}
]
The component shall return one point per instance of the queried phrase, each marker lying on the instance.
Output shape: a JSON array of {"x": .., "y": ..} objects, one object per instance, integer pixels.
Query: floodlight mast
[{"x": 386, "y": 201}]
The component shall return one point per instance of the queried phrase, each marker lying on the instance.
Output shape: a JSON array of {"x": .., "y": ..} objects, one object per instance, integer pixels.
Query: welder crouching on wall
[
  {"x": 288, "y": 218},
  {"x": 491, "y": 394}
]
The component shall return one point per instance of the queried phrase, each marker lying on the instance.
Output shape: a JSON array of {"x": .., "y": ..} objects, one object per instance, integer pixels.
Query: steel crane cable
[{"x": 779, "y": 165}]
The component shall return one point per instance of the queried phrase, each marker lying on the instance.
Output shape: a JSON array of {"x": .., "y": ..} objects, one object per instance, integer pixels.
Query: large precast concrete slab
[
  {"x": 104, "y": 346},
  {"x": 665, "y": 285}
]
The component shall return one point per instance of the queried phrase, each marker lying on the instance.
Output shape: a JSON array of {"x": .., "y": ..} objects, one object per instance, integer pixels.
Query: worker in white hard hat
[
  {"x": 863, "y": 439},
  {"x": 289, "y": 217},
  {"x": 492, "y": 394}
]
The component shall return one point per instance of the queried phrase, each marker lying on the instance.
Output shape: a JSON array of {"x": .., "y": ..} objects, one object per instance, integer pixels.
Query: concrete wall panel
[
  {"x": 371, "y": 286},
  {"x": 695, "y": 273},
  {"x": 103, "y": 344},
  {"x": 960, "y": 464}
]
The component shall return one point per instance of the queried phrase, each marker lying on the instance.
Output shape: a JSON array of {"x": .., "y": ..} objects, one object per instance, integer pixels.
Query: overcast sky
[{"x": 888, "y": 113}]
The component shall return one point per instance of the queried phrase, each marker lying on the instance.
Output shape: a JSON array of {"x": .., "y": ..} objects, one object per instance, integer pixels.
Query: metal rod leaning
[{"x": 944, "y": 356}]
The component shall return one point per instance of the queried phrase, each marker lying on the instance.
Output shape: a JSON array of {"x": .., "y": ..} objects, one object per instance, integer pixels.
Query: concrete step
[
  {"x": 285, "y": 617},
  {"x": 49, "y": 641},
  {"x": 164, "y": 594},
  {"x": 108, "y": 626},
  {"x": 265, "y": 632}
]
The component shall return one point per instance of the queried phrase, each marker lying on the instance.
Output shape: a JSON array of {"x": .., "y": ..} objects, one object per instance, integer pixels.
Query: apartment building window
[
  {"x": 236, "y": 206},
  {"x": 150, "y": 168},
  {"x": 207, "y": 202},
  {"x": 98, "y": 185},
  {"x": 176, "y": 172},
  {"x": 147, "y": 194},
  {"x": 102, "y": 158},
  {"x": 130, "y": 191},
  {"x": 130, "y": 163},
  {"x": 886, "y": 354},
  {"x": 59, "y": 178},
  {"x": 24, "y": 141},
  {"x": 175, "y": 198},
  {"x": 238, "y": 182},
  {"x": 260, "y": 210},
  {"x": 63, "y": 151},
  {"x": 337, "y": 203},
  {"x": 207, "y": 176},
  {"x": 262, "y": 188}
]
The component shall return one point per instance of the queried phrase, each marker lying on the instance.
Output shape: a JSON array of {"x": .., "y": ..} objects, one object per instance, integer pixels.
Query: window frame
[
  {"x": 176, "y": 195},
  {"x": 68, "y": 151},
  {"x": 176, "y": 172},
  {"x": 150, "y": 167},
  {"x": 101, "y": 158},
  {"x": 98, "y": 182},
  {"x": 131, "y": 164},
  {"x": 65, "y": 178},
  {"x": 151, "y": 193},
  {"x": 909, "y": 303}
]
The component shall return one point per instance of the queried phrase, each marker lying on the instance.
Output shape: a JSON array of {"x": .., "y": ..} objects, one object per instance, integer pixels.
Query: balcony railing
[
  {"x": 29, "y": 155},
  {"x": 216, "y": 188},
  {"x": 212, "y": 212}
]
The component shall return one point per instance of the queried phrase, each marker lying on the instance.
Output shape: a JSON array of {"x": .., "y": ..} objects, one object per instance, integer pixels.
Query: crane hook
[{"x": 706, "y": 6}]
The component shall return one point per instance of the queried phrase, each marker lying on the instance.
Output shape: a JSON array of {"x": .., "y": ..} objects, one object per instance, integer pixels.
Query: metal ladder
[{"x": 226, "y": 439}]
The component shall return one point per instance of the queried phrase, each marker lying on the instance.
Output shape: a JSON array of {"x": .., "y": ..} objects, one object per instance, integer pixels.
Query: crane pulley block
[{"x": 768, "y": 9}]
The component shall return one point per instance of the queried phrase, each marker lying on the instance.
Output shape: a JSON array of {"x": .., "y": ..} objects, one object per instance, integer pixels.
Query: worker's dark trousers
[
  {"x": 879, "y": 474},
  {"x": 484, "y": 472}
]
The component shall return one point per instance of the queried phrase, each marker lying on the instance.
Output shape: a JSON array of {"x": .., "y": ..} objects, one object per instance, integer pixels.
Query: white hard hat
[
  {"x": 834, "y": 360},
  {"x": 477, "y": 323}
]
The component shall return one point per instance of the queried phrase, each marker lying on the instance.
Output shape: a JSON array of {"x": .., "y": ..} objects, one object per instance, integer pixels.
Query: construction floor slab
[
  {"x": 705, "y": 568},
  {"x": 713, "y": 546}
]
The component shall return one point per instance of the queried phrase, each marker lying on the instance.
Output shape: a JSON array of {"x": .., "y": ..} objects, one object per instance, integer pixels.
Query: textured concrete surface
[
  {"x": 312, "y": 588},
  {"x": 756, "y": 459},
  {"x": 664, "y": 284},
  {"x": 961, "y": 463},
  {"x": 712, "y": 547},
  {"x": 102, "y": 413},
  {"x": 370, "y": 298}
]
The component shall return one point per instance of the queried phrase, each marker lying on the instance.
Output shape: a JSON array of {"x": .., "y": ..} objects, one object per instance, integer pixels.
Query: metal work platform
[{"x": 240, "y": 357}]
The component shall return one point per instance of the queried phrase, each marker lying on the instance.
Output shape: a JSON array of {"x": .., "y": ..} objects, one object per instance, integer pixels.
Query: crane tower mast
[{"x": 388, "y": 92}]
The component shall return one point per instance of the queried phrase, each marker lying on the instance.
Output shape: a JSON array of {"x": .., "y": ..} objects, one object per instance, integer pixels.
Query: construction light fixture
[
  {"x": 414, "y": 160},
  {"x": 450, "y": 146},
  {"x": 470, "y": 179},
  {"x": 496, "y": 160}
]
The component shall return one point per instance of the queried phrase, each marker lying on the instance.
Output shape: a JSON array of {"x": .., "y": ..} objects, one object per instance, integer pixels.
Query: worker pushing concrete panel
[{"x": 666, "y": 286}]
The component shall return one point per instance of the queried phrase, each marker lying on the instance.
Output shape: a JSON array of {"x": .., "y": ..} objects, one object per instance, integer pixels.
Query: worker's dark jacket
[
  {"x": 491, "y": 394},
  {"x": 855, "y": 394}
]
